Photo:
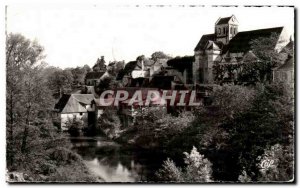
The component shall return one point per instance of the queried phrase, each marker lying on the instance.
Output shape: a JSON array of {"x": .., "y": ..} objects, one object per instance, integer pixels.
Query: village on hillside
[
  {"x": 226, "y": 51},
  {"x": 240, "y": 128}
]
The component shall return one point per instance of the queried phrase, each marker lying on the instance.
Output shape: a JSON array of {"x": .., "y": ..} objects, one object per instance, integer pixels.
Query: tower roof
[{"x": 223, "y": 20}]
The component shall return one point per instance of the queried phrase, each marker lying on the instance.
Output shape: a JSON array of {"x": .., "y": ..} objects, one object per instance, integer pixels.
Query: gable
[
  {"x": 204, "y": 39},
  {"x": 77, "y": 103}
]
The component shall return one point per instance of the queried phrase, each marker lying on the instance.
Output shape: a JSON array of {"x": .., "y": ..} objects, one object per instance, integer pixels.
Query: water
[{"x": 113, "y": 162}]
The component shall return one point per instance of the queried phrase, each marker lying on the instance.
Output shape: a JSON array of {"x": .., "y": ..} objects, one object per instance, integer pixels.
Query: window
[
  {"x": 231, "y": 30},
  {"x": 219, "y": 31},
  {"x": 224, "y": 30}
]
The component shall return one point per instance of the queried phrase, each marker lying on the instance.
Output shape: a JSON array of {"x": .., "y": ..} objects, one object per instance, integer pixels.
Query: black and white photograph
[{"x": 149, "y": 93}]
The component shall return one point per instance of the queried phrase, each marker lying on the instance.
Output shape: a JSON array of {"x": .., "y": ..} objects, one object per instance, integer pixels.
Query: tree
[
  {"x": 61, "y": 81},
  {"x": 22, "y": 55},
  {"x": 87, "y": 68},
  {"x": 268, "y": 121},
  {"x": 78, "y": 75},
  {"x": 32, "y": 140},
  {"x": 268, "y": 58},
  {"x": 197, "y": 169},
  {"x": 159, "y": 55}
]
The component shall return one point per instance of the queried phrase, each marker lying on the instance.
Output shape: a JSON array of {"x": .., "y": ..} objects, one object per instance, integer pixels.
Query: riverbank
[{"x": 116, "y": 162}]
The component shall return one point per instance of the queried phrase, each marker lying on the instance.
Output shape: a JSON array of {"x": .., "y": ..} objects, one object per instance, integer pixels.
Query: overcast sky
[{"x": 76, "y": 35}]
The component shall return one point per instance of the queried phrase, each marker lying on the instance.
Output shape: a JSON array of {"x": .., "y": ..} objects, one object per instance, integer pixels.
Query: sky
[{"x": 75, "y": 35}]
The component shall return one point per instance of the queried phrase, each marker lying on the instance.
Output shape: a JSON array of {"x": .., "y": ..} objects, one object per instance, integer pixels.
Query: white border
[{"x": 111, "y": 2}]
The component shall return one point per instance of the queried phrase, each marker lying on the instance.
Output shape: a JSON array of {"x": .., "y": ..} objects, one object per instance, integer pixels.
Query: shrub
[
  {"x": 74, "y": 126},
  {"x": 197, "y": 169}
]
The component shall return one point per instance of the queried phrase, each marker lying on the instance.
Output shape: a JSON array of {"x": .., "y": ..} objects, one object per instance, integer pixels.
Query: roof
[
  {"x": 223, "y": 20},
  {"x": 147, "y": 63},
  {"x": 204, "y": 39},
  {"x": 288, "y": 65},
  {"x": 241, "y": 41},
  {"x": 94, "y": 75},
  {"x": 74, "y": 103},
  {"x": 211, "y": 45},
  {"x": 289, "y": 47},
  {"x": 62, "y": 102}
]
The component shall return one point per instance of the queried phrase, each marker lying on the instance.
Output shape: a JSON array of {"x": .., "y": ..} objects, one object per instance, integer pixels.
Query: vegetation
[
  {"x": 197, "y": 169},
  {"x": 32, "y": 139},
  {"x": 245, "y": 134},
  {"x": 236, "y": 135},
  {"x": 254, "y": 70}
]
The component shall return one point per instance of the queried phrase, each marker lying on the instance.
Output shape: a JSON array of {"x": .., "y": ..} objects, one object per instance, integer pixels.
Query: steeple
[{"x": 226, "y": 28}]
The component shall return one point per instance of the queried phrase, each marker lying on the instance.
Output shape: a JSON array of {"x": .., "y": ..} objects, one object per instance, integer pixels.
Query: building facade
[{"x": 228, "y": 46}]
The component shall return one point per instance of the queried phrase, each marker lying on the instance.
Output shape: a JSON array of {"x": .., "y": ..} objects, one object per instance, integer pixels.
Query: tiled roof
[
  {"x": 223, "y": 20},
  {"x": 201, "y": 44},
  {"x": 62, "y": 102},
  {"x": 74, "y": 103},
  {"x": 241, "y": 41}
]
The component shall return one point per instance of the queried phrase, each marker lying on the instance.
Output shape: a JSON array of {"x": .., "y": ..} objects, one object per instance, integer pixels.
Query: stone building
[
  {"x": 228, "y": 46},
  {"x": 285, "y": 74},
  {"x": 92, "y": 78}
]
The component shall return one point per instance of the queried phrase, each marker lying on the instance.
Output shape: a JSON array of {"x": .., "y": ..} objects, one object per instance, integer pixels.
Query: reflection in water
[
  {"x": 115, "y": 163},
  {"x": 111, "y": 174}
]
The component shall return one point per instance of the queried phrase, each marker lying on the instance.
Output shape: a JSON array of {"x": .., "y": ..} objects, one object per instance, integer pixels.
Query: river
[{"x": 113, "y": 162}]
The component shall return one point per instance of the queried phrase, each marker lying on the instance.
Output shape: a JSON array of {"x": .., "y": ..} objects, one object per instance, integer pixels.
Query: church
[{"x": 228, "y": 46}]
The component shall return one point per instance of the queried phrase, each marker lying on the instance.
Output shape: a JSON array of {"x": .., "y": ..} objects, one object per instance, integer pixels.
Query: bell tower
[{"x": 226, "y": 28}]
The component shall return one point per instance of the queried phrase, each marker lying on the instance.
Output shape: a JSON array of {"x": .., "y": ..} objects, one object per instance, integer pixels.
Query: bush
[
  {"x": 197, "y": 169},
  {"x": 276, "y": 164},
  {"x": 74, "y": 126}
]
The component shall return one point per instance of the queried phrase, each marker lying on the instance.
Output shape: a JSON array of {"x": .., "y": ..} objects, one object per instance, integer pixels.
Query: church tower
[{"x": 226, "y": 28}]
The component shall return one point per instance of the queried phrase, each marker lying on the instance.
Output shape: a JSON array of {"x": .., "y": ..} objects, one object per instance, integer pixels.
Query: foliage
[
  {"x": 31, "y": 136},
  {"x": 233, "y": 99},
  {"x": 159, "y": 55},
  {"x": 269, "y": 58},
  {"x": 276, "y": 164},
  {"x": 155, "y": 127},
  {"x": 268, "y": 121},
  {"x": 170, "y": 172},
  {"x": 237, "y": 128},
  {"x": 78, "y": 74},
  {"x": 109, "y": 122},
  {"x": 61, "y": 81},
  {"x": 198, "y": 169},
  {"x": 181, "y": 63},
  {"x": 74, "y": 126}
]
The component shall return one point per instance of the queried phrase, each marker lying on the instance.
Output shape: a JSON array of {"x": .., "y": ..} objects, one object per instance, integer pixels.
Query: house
[
  {"x": 93, "y": 78},
  {"x": 285, "y": 73},
  {"x": 228, "y": 46},
  {"x": 76, "y": 106},
  {"x": 142, "y": 68}
]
